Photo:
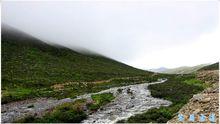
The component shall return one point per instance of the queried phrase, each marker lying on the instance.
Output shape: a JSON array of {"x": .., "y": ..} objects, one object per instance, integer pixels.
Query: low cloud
[{"x": 142, "y": 34}]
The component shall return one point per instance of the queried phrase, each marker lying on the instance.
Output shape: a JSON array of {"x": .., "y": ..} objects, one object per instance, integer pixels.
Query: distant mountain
[
  {"x": 183, "y": 69},
  {"x": 161, "y": 69}
]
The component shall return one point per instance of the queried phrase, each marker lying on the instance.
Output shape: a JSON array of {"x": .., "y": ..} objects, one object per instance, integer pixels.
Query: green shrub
[
  {"x": 100, "y": 100},
  {"x": 196, "y": 82}
]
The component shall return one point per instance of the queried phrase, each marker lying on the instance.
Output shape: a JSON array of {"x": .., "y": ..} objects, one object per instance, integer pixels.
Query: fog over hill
[
  {"x": 130, "y": 32},
  {"x": 161, "y": 69}
]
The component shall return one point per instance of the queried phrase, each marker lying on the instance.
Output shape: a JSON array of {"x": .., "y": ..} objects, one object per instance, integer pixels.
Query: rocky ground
[
  {"x": 208, "y": 76},
  {"x": 204, "y": 103},
  {"x": 34, "y": 107}
]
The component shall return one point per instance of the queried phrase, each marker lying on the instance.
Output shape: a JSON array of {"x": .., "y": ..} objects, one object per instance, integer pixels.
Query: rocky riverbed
[{"x": 130, "y": 100}]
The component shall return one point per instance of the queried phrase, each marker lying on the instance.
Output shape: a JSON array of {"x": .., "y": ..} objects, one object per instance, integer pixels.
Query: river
[{"x": 129, "y": 100}]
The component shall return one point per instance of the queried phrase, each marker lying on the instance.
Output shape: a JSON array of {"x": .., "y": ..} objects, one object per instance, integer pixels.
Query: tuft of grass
[{"x": 100, "y": 100}]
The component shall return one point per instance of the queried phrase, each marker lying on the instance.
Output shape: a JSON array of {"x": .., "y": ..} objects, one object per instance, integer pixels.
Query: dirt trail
[{"x": 60, "y": 86}]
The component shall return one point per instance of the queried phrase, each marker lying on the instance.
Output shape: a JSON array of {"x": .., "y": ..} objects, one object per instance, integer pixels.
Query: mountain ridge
[{"x": 181, "y": 70}]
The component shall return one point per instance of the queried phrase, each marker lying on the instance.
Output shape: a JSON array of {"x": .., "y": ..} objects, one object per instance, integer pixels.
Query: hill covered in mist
[{"x": 28, "y": 62}]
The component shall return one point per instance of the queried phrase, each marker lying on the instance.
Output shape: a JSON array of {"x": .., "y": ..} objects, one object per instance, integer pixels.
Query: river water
[{"x": 131, "y": 100}]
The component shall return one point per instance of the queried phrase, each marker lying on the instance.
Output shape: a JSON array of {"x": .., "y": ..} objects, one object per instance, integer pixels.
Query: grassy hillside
[
  {"x": 214, "y": 66},
  {"x": 184, "y": 70},
  {"x": 29, "y": 64}
]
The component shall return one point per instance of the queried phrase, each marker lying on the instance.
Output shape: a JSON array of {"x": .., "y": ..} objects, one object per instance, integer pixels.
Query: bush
[
  {"x": 196, "y": 82},
  {"x": 100, "y": 100}
]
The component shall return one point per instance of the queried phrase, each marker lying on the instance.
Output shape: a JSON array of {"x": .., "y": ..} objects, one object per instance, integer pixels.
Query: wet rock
[
  {"x": 66, "y": 100},
  {"x": 197, "y": 97},
  {"x": 206, "y": 100}
]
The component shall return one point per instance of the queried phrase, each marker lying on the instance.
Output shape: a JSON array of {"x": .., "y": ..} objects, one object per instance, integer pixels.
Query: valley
[{"x": 47, "y": 83}]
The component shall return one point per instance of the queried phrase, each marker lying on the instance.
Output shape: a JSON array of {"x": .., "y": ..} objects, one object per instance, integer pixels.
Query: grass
[
  {"x": 196, "y": 82},
  {"x": 30, "y": 67},
  {"x": 19, "y": 93},
  {"x": 100, "y": 100},
  {"x": 178, "y": 89}
]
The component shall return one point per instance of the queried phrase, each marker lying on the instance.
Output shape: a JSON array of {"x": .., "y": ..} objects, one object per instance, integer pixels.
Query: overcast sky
[{"x": 142, "y": 34}]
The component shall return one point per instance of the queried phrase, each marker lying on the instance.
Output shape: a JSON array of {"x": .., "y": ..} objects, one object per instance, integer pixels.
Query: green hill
[
  {"x": 29, "y": 63},
  {"x": 214, "y": 66}
]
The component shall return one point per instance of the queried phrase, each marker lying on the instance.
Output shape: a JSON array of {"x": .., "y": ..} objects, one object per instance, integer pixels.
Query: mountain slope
[
  {"x": 184, "y": 69},
  {"x": 161, "y": 69},
  {"x": 214, "y": 66},
  {"x": 28, "y": 62},
  {"x": 25, "y": 57}
]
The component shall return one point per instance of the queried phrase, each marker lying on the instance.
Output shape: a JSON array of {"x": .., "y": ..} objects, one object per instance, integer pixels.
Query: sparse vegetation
[
  {"x": 73, "y": 112},
  {"x": 100, "y": 100},
  {"x": 65, "y": 113}
]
